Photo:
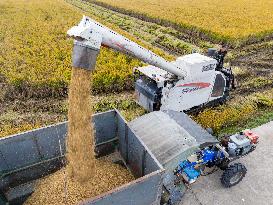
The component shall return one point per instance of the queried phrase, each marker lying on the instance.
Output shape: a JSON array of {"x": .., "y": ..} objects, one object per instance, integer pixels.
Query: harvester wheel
[{"x": 233, "y": 174}]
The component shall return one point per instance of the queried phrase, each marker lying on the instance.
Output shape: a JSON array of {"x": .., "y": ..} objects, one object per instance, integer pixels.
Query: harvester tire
[{"x": 233, "y": 175}]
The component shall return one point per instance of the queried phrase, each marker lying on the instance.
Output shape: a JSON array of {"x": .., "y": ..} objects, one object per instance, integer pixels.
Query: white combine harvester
[{"x": 192, "y": 81}]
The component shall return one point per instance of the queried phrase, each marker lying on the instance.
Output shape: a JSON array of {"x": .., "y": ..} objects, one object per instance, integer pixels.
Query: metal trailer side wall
[
  {"x": 27, "y": 148},
  {"x": 135, "y": 153},
  {"x": 106, "y": 132},
  {"x": 28, "y": 156},
  {"x": 143, "y": 191}
]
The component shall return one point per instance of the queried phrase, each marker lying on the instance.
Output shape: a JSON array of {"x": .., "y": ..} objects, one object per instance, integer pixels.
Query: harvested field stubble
[{"x": 55, "y": 190}]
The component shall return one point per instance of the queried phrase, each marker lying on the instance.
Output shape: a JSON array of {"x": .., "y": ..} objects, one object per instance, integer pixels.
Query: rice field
[
  {"x": 230, "y": 19},
  {"x": 35, "y": 53}
]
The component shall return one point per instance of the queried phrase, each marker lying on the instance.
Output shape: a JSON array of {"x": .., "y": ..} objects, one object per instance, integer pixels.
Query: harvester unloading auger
[{"x": 189, "y": 83}]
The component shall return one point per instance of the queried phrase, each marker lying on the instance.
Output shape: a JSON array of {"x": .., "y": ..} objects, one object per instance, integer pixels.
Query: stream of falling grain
[{"x": 81, "y": 156}]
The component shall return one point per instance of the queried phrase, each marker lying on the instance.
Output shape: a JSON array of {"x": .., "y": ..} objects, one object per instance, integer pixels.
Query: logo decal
[
  {"x": 208, "y": 67},
  {"x": 190, "y": 87}
]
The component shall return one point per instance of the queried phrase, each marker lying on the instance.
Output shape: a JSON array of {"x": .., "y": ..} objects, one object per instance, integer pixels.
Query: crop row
[{"x": 170, "y": 39}]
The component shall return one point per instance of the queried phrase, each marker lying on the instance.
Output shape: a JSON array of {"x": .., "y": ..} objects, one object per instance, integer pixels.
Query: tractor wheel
[{"x": 233, "y": 174}]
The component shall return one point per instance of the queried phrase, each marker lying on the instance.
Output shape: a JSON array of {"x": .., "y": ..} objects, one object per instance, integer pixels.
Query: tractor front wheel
[{"x": 233, "y": 174}]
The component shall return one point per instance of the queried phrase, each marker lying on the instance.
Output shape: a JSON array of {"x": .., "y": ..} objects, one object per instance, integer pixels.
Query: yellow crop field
[
  {"x": 35, "y": 56},
  {"x": 231, "y": 18},
  {"x": 35, "y": 51}
]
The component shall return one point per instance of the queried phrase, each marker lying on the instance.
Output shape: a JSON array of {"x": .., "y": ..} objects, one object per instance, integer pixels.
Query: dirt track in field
[
  {"x": 257, "y": 56},
  {"x": 256, "y": 65}
]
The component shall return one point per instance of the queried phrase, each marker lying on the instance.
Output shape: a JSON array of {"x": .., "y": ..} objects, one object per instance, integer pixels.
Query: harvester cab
[{"x": 219, "y": 56}]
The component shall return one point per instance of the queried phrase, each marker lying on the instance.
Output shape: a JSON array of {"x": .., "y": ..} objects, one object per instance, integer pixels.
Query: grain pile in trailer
[{"x": 57, "y": 189}]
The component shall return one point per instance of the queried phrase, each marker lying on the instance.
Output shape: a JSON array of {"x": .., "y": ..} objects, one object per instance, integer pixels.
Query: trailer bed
[{"x": 28, "y": 156}]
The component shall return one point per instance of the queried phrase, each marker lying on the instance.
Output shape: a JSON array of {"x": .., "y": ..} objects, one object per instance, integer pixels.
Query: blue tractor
[{"x": 219, "y": 156}]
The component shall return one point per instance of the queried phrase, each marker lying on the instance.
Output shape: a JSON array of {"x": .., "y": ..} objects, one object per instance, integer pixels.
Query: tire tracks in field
[{"x": 187, "y": 32}]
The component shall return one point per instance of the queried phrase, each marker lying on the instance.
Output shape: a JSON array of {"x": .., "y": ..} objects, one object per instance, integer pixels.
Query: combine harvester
[
  {"x": 191, "y": 82},
  {"x": 165, "y": 150}
]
